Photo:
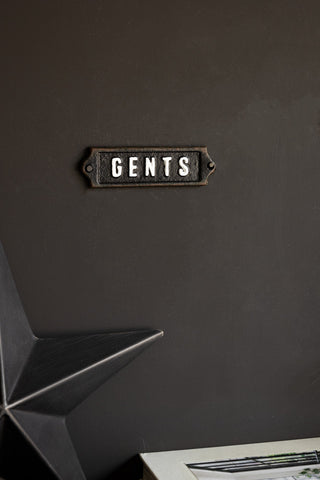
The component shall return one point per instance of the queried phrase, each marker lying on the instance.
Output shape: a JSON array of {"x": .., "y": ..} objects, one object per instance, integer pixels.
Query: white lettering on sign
[
  {"x": 184, "y": 169},
  {"x": 147, "y": 166},
  {"x": 132, "y": 166},
  {"x": 150, "y": 167},
  {"x": 167, "y": 161},
  {"x": 116, "y": 168}
]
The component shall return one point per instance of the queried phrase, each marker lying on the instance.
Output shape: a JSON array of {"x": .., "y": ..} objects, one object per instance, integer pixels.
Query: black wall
[{"x": 230, "y": 271}]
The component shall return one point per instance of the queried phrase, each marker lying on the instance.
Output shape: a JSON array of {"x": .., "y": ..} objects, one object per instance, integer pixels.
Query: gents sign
[{"x": 115, "y": 167}]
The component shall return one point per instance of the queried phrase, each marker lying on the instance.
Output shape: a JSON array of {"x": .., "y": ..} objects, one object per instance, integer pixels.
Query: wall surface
[{"x": 230, "y": 271}]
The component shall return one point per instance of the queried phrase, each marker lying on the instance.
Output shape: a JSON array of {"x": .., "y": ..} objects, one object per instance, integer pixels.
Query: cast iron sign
[{"x": 153, "y": 166}]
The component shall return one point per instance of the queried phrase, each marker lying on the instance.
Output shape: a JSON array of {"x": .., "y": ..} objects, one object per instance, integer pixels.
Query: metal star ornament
[{"x": 43, "y": 379}]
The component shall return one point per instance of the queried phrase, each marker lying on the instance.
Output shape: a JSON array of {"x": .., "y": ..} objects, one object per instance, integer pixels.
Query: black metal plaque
[{"x": 145, "y": 167}]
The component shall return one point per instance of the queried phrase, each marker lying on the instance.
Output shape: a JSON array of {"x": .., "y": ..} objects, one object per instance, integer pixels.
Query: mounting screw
[
  {"x": 210, "y": 165},
  {"x": 89, "y": 168}
]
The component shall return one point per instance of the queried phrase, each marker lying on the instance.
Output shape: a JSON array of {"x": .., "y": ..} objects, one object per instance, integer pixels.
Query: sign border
[{"x": 90, "y": 168}]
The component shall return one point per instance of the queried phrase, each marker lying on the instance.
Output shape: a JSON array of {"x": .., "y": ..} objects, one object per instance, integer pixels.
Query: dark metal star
[{"x": 43, "y": 379}]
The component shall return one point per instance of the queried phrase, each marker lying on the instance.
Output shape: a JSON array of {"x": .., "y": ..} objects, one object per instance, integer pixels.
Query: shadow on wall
[{"x": 131, "y": 469}]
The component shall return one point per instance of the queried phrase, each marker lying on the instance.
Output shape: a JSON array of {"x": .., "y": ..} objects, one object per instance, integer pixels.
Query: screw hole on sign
[
  {"x": 211, "y": 165},
  {"x": 89, "y": 169}
]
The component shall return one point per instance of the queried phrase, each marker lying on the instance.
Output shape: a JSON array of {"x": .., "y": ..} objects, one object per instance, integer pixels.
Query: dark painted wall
[{"x": 231, "y": 271}]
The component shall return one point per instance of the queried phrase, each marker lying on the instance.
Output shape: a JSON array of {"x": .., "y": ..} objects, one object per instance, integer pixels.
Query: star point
[{"x": 43, "y": 379}]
